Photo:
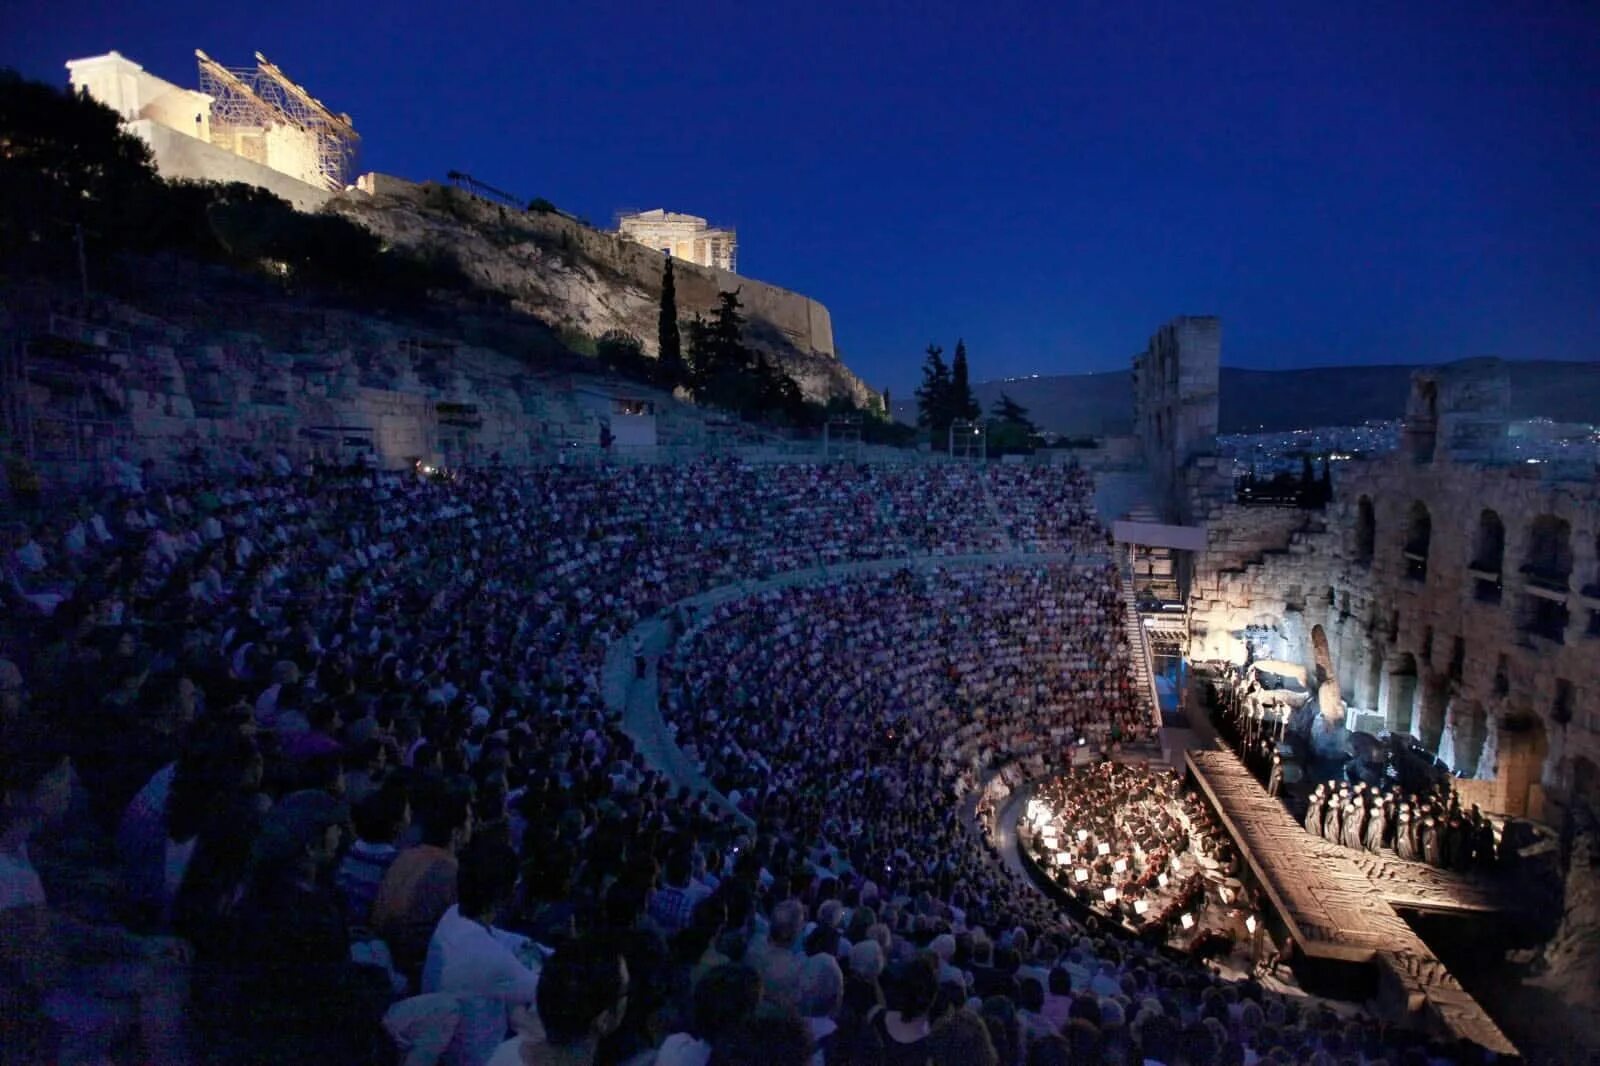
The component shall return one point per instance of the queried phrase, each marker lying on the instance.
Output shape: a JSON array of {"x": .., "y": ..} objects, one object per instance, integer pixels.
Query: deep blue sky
[{"x": 1385, "y": 182}]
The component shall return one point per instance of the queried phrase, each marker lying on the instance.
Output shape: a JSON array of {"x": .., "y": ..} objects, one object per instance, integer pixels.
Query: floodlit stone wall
[{"x": 1460, "y": 601}]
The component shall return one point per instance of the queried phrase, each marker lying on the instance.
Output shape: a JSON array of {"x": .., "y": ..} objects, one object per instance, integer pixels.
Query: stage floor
[{"x": 1338, "y": 904}]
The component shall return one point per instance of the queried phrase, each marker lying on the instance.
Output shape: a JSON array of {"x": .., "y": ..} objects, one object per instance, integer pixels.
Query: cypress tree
[
  {"x": 962, "y": 403},
  {"x": 671, "y": 347}
]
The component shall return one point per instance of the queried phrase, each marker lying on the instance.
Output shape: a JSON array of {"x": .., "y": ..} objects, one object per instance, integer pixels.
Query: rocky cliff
[{"x": 583, "y": 280}]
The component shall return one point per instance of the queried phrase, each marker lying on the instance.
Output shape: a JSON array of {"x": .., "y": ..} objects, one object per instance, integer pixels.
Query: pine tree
[
  {"x": 671, "y": 347},
  {"x": 933, "y": 395},
  {"x": 1011, "y": 413},
  {"x": 962, "y": 403}
]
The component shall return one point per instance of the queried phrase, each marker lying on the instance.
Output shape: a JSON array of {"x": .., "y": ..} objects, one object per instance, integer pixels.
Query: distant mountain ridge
[{"x": 1271, "y": 400}]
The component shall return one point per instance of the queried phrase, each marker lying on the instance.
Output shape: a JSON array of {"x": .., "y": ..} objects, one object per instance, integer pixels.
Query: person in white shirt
[{"x": 469, "y": 958}]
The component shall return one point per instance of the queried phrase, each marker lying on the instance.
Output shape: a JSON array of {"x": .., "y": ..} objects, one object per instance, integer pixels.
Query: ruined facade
[
  {"x": 1175, "y": 383},
  {"x": 1459, "y": 596},
  {"x": 687, "y": 237},
  {"x": 255, "y": 126}
]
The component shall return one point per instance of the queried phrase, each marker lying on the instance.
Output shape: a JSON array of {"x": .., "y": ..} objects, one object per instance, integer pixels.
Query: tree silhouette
[
  {"x": 670, "y": 344},
  {"x": 962, "y": 403},
  {"x": 933, "y": 395}
]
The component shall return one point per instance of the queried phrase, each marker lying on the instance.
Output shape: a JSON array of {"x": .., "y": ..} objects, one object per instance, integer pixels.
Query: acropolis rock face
[{"x": 586, "y": 280}]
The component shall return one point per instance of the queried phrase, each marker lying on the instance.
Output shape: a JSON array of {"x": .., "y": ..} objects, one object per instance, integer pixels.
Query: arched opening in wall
[
  {"x": 1488, "y": 557},
  {"x": 1401, "y": 709},
  {"x": 1472, "y": 729},
  {"x": 1432, "y": 697},
  {"x": 1419, "y": 535},
  {"x": 1592, "y": 590},
  {"x": 1366, "y": 531},
  {"x": 1374, "y": 676},
  {"x": 1585, "y": 784},
  {"x": 1321, "y": 653},
  {"x": 1546, "y": 572}
]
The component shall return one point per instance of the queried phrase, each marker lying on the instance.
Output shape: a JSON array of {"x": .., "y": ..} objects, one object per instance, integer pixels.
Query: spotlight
[{"x": 1187, "y": 921}]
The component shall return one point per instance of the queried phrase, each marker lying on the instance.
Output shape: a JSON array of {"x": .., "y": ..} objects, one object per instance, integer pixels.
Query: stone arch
[
  {"x": 1323, "y": 657},
  {"x": 1489, "y": 556},
  {"x": 1548, "y": 560},
  {"x": 1419, "y": 537},
  {"x": 1366, "y": 531},
  {"x": 1471, "y": 730},
  {"x": 1584, "y": 783},
  {"x": 1400, "y": 706},
  {"x": 1432, "y": 703}
]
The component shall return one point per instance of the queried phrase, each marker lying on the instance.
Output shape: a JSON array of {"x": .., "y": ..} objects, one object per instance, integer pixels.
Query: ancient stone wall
[
  {"x": 1175, "y": 402},
  {"x": 1429, "y": 636}
]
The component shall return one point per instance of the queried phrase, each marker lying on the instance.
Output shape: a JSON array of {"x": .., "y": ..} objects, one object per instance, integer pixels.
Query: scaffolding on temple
[{"x": 260, "y": 114}]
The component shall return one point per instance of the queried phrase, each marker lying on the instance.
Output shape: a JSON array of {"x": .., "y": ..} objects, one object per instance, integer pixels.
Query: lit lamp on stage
[
  {"x": 1110, "y": 895},
  {"x": 1187, "y": 921},
  {"x": 1082, "y": 875}
]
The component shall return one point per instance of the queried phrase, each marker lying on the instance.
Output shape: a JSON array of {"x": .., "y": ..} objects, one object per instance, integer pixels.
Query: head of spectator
[
  {"x": 724, "y": 998},
  {"x": 299, "y": 838},
  {"x": 486, "y": 881},
  {"x": 446, "y": 820},
  {"x": 912, "y": 987},
  {"x": 821, "y": 987},
  {"x": 965, "y": 1039},
  {"x": 583, "y": 993},
  {"x": 788, "y": 919}
]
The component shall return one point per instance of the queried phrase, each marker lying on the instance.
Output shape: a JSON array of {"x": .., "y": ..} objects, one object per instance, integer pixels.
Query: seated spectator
[
  {"x": 468, "y": 957},
  {"x": 380, "y": 819},
  {"x": 582, "y": 997},
  {"x": 57, "y": 968},
  {"x": 726, "y": 997},
  {"x": 420, "y": 884}
]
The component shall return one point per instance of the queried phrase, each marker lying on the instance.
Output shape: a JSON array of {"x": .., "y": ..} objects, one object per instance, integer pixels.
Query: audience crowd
[{"x": 340, "y": 735}]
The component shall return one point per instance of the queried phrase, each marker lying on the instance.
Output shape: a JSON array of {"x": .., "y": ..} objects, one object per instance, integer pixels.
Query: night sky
[{"x": 1340, "y": 182}]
